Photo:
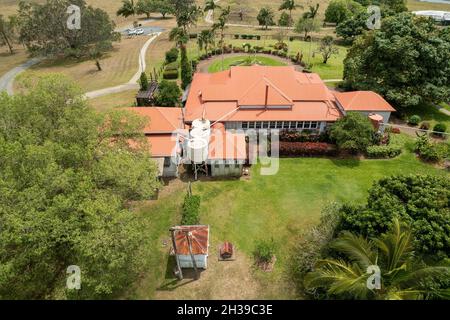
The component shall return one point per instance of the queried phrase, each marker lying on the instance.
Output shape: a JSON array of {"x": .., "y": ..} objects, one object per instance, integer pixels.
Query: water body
[{"x": 437, "y": 1}]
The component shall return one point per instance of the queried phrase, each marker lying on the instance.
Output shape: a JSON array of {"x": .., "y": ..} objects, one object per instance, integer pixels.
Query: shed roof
[
  {"x": 160, "y": 119},
  {"x": 363, "y": 101},
  {"x": 199, "y": 239}
]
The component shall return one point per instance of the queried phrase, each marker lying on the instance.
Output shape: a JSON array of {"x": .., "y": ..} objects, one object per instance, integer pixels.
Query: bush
[
  {"x": 171, "y": 55},
  {"x": 306, "y": 149},
  {"x": 395, "y": 130},
  {"x": 250, "y": 37},
  {"x": 172, "y": 66},
  {"x": 431, "y": 152},
  {"x": 194, "y": 63},
  {"x": 143, "y": 81},
  {"x": 244, "y": 36},
  {"x": 193, "y": 36},
  {"x": 352, "y": 133},
  {"x": 170, "y": 74},
  {"x": 264, "y": 250},
  {"x": 425, "y": 125},
  {"x": 303, "y": 136},
  {"x": 191, "y": 209},
  {"x": 414, "y": 120},
  {"x": 389, "y": 151},
  {"x": 168, "y": 94},
  {"x": 441, "y": 128},
  {"x": 258, "y": 37},
  {"x": 236, "y": 36}
]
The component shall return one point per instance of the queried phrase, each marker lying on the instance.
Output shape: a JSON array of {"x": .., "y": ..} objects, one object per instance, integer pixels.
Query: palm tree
[
  {"x": 178, "y": 35},
  {"x": 392, "y": 252},
  {"x": 289, "y": 5},
  {"x": 312, "y": 13},
  {"x": 129, "y": 8},
  {"x": 205, "y": 39},
  {"x": 221, "y": 25},
  {"x": 211, "y": 5}
]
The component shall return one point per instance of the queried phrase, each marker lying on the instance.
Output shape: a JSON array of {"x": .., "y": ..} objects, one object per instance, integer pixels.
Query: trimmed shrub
[
  {"x": 425, "y": 125},
  {"x": 236, "y": 36},
  {"x": 170, "y": 74},
  {"x": 414, "y": 120},
  {"x": 389, "y": 151},
  {"x": 264, "y": 250},
  {"x": 243, "y": 36},
  {"x": 193, "y": 36},
  {"x": 307, "y": 149},
  {"x": 171, "y": 55},
  {"x": 431, "y": 152},
  {"x": 191, "y": 209},
  {"x": 172, "y": 66},
  {"x": 441, "y": 128},
  {"x": 258, "y": 37}
]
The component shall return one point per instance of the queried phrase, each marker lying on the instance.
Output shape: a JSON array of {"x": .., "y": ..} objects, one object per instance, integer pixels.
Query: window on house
[
  {"x": 244, "y": 125},
  {"x": 217, "y": 165},
  {"x": 258, "y": 125},
  {"x": 300, "y": 125},
  {"x": 167, "y": 162},
  {"x": 292, "y": 124},
  {"x": 265, "y": 124},
  {"x": 313, "y": 124},
  {"x": 251, "y": 125},
  {"x": 307, "y": 125},
  {"x": 272, "y": 124},
  {"x": 227, "y": 166},
  {"x": 279, "y": 124}
]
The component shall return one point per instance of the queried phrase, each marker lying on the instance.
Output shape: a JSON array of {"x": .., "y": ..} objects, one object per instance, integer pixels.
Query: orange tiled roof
[
  {"x": 363, "y": 101},
  {"x": 162, "y": 145},
  {"x": 199, "y": 240},
  {"x": 160, "y": 119},
  {"x": 222, "y": 92}
]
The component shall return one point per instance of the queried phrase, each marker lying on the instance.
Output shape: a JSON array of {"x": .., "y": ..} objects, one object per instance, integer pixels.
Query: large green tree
[
  {"x": 43, "y": 28},
  {"x": 265, "y": 17},
  {"x": 422, "y": 201},
  {"x": 353, "y": 132},
  {"x": 8, "y": 31},
  {"x": 401, "y": 275},
  {"x": 341, "y": 10},
  {"x": 67, "y": 175},
  {"x": 290, "y": 6},
  {"x": 407, "y": 61}
]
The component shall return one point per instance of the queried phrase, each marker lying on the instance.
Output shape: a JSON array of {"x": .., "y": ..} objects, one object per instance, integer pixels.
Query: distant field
[{"x": 415, "y": 5}]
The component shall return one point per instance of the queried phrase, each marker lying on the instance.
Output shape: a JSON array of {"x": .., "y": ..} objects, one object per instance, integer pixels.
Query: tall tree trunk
[
  {"x": 97, "y": 63},
  {"x": 8, "y": 43}
]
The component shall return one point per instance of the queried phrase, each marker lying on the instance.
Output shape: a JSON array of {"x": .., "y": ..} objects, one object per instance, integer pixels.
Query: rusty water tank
[{"x": 226, "y": 250}]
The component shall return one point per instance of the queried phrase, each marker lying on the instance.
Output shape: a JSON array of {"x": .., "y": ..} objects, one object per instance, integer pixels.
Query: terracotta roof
[
  {"x": 222, "y": 92},
  {"x": 162, "y": 145},
  {"x": 363, "y": 101},
  {"x": 225, "y": 145},
  {"x": 160, "y": 119},
  {"x": 199, "y": 239}
]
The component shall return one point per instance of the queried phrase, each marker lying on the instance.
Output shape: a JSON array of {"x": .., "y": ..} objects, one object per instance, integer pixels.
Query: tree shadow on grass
[{"x": 351, "y": 162}]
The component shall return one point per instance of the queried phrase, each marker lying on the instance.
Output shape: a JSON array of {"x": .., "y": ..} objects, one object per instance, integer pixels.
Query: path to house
[
  {"x": 204, "y": 64},
  {"x": 442, "y": 109},
  {"x": 132, "y": 84},
  {"x": 7, "y": 80}
]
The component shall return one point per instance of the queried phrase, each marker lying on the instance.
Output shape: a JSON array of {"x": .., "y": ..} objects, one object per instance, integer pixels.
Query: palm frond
[{"x": 357, "y": 248}]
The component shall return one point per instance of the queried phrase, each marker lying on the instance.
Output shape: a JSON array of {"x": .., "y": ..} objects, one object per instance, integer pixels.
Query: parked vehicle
[
  {"x": 131, "y": 32},
  {"x": 139, "y": 31}
]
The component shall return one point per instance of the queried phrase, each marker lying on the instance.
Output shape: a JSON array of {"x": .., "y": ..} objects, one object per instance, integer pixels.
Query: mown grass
[
  {"x": 241, "y": 60},
  {"x": 428, "y": 113},
  {"x": 280, "y": 206}
]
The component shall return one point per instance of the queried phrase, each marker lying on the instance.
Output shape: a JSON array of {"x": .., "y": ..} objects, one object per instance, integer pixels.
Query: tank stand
[{"x": 203, "y": 167}]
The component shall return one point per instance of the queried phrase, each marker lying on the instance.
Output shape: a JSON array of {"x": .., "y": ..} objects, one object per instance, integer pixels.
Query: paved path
[
  {"x": 132, "y": 84},
  {"x": 442, "y": 109},
  {"x": 7, "y": 80}
]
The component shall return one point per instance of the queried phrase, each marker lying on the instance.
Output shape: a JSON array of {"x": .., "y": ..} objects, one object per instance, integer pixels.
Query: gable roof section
[
  {"x": 363, "y": 101},
  {"x": 160, "y": 119}
]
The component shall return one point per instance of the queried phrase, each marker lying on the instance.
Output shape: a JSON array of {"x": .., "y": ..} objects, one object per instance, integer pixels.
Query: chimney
[{"x": 267, "y": 96}]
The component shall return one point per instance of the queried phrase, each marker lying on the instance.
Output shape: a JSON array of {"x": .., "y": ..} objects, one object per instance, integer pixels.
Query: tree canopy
[
  {"x": 407, "y": 61},
  {"x": 67, "y": 175},
  {"x": 341, "y": 10},
  {"x": 353, "y": 132},
  {"x": 265, "y": 17},
  {"x": 42, "y": 30}
]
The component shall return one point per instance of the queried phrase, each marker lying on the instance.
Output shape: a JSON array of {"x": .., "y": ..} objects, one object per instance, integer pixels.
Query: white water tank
[
  {"x": 200, "y": 133},
  {"x": 202, "y": 124},
  {"x": 197, "y": 150}
]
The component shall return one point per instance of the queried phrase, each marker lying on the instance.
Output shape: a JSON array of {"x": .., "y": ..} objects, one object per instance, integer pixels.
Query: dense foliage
[
  {"x": 430, "y": 151},
  {"x": 191, "y": 210},
  {"x": 67, "y": 175},
  {"x": 401, "y": 274},
  {"x": 341, "y": 10},
  {"x": 422, "y": 201},
  {"x": 264, "y": 250},
  {"x": 407, "y": 61},
  {"x": 43, "y": 28},
  {"x": 353, "y": 132},
  {"x": 306, "y": 149},
  {"x": 169, "y": 94}
]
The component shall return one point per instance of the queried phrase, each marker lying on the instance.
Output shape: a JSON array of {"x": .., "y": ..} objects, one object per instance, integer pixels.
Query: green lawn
[
  {"x": 243, "y": 60},
  {"x": 279, "y": 206},
  {"x": 332, "y": 70},
  {"x": 430, "y": 114}
]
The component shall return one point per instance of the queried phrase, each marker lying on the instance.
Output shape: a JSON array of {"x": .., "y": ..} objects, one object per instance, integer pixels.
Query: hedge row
[
  {"x": 384, "y": 151},
  {"x": 306, "y": 149},
  {"x": 170, "y": 74},
  {"x": 247, "y": 36},
  {"x": 303, "y": 136},
  {"x": 191, "y": 210}
]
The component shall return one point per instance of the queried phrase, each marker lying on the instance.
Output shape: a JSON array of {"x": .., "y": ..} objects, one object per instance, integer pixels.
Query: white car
[
  {"x": 139, "y": 31},
  {"x": 131, "y": 32}
]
